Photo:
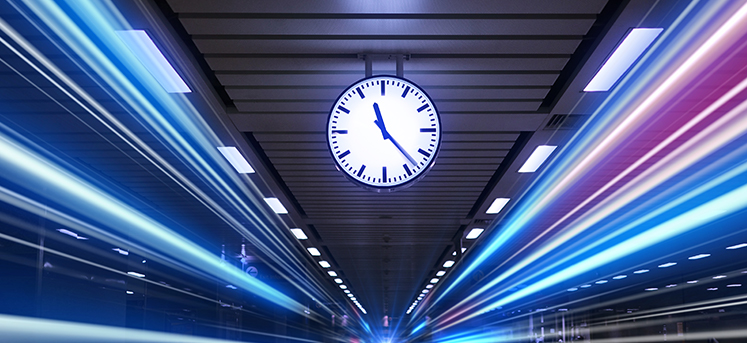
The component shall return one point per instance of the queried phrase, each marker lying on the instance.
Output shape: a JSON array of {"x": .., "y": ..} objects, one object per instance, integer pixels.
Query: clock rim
[{"x": 393, "y": 188}]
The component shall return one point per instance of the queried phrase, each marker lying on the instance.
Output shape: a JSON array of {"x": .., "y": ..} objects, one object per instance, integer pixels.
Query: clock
[{"x": 384, "y": 133}]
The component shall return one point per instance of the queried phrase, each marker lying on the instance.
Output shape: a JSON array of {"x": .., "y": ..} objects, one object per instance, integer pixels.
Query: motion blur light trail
[
  {"x": 646, "y": 155},
  {"x": 23, "y": 329},
  {"x": 172, "y": 118}
]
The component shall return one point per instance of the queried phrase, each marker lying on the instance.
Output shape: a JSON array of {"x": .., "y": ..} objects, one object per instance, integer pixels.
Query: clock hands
[{"x": 380, "y": 124}]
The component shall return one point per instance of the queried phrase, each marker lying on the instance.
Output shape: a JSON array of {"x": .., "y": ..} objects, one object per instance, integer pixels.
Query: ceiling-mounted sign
[{"x": 384, "y": 133}]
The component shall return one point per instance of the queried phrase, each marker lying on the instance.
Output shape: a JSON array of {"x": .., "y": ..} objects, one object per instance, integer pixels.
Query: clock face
[{"x": 384, "y": 133}]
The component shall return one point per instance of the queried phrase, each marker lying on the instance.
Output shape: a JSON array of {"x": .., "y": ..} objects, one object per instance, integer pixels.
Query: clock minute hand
[
  {"x": 409, "y": 158},
  {"x": 380, "y": 123}
]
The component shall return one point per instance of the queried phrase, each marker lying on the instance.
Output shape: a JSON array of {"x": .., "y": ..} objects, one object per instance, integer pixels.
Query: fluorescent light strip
[
  {"x": 497, "y": 205},
  {"x": 474, "y": 233},
  {"x": 324, "y": 264},
  {"x": 434, "y": 280},
  {"x": 697, "y": 257},
  {"x": 299, "y": 234},
  {"x": 448, "y": 264},
  {"x": 236, "y": 159},
  {"x": 136, "y": 274},
  {"x": 441, "y": 273},
  {"x": 276, "y": 205},
  {"x": 332, "y": 273},
  {"x": 314, "y": 251},
  {"x": 632, "y": 47},
  {"x": 667, "y": 265},
  {"x": 538, "y": 156},
  {"x": 738, "y": 246},
  {"x": 338, "y": 280},
  {"x": 153, "y": 60}
]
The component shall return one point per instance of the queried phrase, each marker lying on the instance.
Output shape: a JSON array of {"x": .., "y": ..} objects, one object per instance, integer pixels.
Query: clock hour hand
[{"x": 380, "y": 123}]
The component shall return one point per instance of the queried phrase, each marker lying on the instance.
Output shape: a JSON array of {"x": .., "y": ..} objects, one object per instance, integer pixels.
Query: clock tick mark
[
  {"x": 383, "y": 172},
  {"x": 383, "y": 89},
  {"x": 360, "y": 172},
  {"x": 344, "y": 154},
  {"x": 421, "y": 108},
  {"x": 407, "y": 89},
  {"x": 424, "y": 153},
  {"x": 347, "y": 111},
  {"x": 428, "y": 129},
  {"x": 407, "y": 169},
  {"x": 341, "y": 132},
  {"x": 363, "y": 96}
]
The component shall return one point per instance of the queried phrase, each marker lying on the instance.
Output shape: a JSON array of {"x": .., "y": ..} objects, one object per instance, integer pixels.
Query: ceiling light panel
[
  {"x": 276, "y": 205},
  {"x": 236, "y": 159},
  {"x": 537, "y": 158},
  {"x": 631, "y": 48},
  {"x": 300, "y": 235}
]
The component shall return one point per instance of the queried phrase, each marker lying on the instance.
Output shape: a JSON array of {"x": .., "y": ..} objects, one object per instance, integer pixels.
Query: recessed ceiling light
[
  {"x": 619, "y": 277},
  {"x": 299, "y": 234},
  {"x": 712, "y": 289},
  {"x": 236, "y": 159},
  {"x": 143, "y": 48},
  {"x": 693, "y": 281},
  {"x": 332, "y": 273},
  {"x": 338, "y": 280},
  {"x": 497, "y": 205},
  {"x": 121, "y": 251},
  {"x": 735, "y": 285},
  {"x": 671, "y": 285},
  {"x": 353, "y": 299},
  {"x": 538, "y": 156},
  {"x": 474, "y": 233},
  {"x": 350, "y": 295},
  {"x": 130, "y": 292},
  {"x": 428, "y": 286},
  {"x": 324, "y": 264},
  {"x": 738, "y": 246},
  {"x": 640, "y": 271},
  {"x": 699, "y": 256},
  {"x": 314, "y": 251},
  {"x": 441, "y": 273},
  {"x": 343, "y": 287},
  {"x": 585, "y": 286},
  {"x": 72, "y": 234},
  {"x": 572, "y": 289},
  {"x": 719, "y": 277},
  {"x": 651, "y": 289},
  {"x": 346, "y": 291},
  {"x": 632, "y": 47},
  {"x": 448, "y": 264},
  {"x": 136, "y": 274},
  {"x": 425, "y": 291},
  {"x": 434, "y": 280},
  {"x": 276, "y": 205},
  {"x": 601, "y": 282},
  {"x": 667, "y": 265}
]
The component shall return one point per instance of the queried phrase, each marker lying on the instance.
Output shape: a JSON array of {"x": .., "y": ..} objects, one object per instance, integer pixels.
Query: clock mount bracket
[{"x": 398, "y": 58}]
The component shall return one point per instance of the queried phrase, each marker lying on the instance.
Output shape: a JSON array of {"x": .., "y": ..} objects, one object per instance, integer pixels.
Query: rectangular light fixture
[
  {"x": 448, "y": 264},
  {"x": 332, "y": 273},
  {"x": 314, "y": 251},
  {"x": 632, "y": 47},
  {"x": 738, "y": 246},
  {"x": 497, "y": 205},
  {"x": 72, "y": 234},
  {"x": 153, "y": 60},
  {"x": 434, "y": 280},
  {"x": 236, "y": 159},
  {"x": 346, "y": 291},
  {"x": 343, "y": 287},
  {"x": 441, "y": 273},
  {"x": 136, "y": 274},
  {"x": 538, "y": 156},
  {"x": 474, "y": 233},
  {"x": 338, "y": 280},
  {"x": 699, "y": 256},
  {"x": 324, "y": 264},
  {"x": 299, "y": 234},
  {"x": 428, "y": 286},
  {"x": 276, "y": 205}
]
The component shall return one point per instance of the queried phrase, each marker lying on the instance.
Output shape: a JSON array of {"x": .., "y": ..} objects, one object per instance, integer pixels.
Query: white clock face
[{"x": 384, "y": 132}]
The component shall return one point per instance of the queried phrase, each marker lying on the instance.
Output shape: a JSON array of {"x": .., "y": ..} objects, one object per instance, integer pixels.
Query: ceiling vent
[{"x": 565, "y": 121}]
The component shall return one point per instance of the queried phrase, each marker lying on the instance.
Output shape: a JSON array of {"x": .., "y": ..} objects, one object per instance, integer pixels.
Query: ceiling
[{"x": 495, "y": 71}]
